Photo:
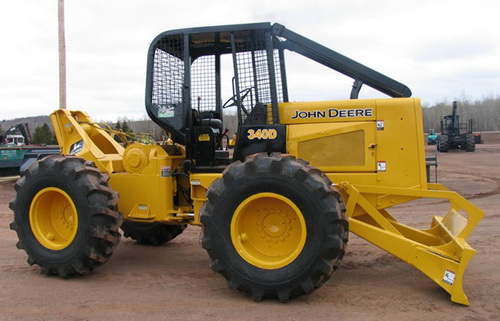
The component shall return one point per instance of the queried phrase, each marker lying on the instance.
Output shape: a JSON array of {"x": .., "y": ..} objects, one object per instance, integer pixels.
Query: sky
[{"x": 442, "y": 50}]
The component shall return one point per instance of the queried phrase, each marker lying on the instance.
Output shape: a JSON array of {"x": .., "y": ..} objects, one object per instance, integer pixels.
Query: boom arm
[
  {"x": 332, "y": 59},
  {"x": 24, "y": 129},
  {"x": 454, "y": 117}
]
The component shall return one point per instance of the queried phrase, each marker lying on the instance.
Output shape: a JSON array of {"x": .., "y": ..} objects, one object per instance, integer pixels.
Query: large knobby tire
[
  {"x": 274, "y": 227},
  {"x": 470, "y": 143},
  {"x": 443, "y": 143},
  {"x": 66, "y": 216},
  {"x": 151, "y": 233}
]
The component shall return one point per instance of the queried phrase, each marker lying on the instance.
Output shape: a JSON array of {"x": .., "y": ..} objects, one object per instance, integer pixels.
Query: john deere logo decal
[{"x": 334, "y": 113}]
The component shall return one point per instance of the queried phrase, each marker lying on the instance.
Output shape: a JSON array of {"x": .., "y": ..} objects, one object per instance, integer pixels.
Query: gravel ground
[{"x": 174, "y": 282}]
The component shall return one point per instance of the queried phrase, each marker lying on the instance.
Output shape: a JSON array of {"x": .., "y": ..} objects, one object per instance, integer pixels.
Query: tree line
[
  {"x": 42, "y": 135},
  {"x": 485, "y": 113}
]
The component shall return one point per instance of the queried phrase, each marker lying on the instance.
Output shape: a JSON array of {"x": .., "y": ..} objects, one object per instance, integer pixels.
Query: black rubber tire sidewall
[
  {"x": 225, "y": 212},
  {"x": 40, "y": 253},
  {"x": 470, "y": 144},
  {"x": 443, "y": 144},
  {"x": 322, "y": 216},
  {"x": 98, "y": 217},
  {"x": 151, "y": 233}
]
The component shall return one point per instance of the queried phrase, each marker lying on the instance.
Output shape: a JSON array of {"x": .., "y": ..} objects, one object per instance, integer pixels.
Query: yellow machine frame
[{"x": 373, "y": 151}]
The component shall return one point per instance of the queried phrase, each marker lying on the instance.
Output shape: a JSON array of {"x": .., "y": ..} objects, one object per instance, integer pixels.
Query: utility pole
[{"x": 62, "y": 57}]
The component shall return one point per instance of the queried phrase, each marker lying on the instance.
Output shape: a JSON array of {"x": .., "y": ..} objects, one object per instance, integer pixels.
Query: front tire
[
  {"x": 274, "y": 227},
  {"x": 443, "y": 143},
  {"x": 66, "y": 216},
  {"x": 470, "y": 144}
]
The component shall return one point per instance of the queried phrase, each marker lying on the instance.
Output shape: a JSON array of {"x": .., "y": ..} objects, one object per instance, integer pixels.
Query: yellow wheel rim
[
  {"x": 53, "y": 218},
  {"x": 268, "y": 230}
]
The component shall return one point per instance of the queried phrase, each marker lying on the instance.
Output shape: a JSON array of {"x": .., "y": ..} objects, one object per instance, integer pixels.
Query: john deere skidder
[{"x": 273, "y": 223}]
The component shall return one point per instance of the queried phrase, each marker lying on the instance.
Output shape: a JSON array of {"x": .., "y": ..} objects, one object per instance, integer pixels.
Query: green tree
[
  {"x": 43, "y": 135},
  {"x": 118, "y": 127},
  {"x": 125, "y": 127}
]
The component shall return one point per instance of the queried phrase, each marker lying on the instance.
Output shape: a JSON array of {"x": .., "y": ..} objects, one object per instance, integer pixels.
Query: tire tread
[
  {"x": 288, "y": 168},
  {"x": 104, "y": 218}
]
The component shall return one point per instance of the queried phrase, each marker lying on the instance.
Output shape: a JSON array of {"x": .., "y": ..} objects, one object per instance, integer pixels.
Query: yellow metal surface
[
  {"x": 390, "y": 153},
  {"x": 328, "y": 135},
  {"x": 440, "y": 252},
  {"x": 143, "y": 174},
  {"x": 136, "y": 157},
  {"x": 335, "y": 147},
  {"x": 401, "y": 144},
  {"x": 72, "y": 127},
  {"x": 53, "y": 218},
  {"x": 373, "y": 150},
  {"x": 199, "y": 185},
  {"x": 268, "y": 230},
  {"x": 148, "y": 188},
  {"x": 353, "y": 110}
]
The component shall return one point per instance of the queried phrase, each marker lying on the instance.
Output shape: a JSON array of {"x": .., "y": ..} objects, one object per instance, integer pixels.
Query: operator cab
[
  {"x": 185, "y": 85},
  {"x": 14, "y": 140}
]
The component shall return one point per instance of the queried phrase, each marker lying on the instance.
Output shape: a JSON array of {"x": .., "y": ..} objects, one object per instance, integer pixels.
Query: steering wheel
[{"x": 233, "y": 100}]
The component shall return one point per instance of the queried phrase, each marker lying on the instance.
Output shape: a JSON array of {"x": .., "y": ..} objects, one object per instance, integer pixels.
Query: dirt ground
[{"x": 174, "y": 281}]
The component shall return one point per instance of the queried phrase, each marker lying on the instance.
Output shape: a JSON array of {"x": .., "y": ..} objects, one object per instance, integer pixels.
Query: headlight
[{"x": 76, "y": 147}]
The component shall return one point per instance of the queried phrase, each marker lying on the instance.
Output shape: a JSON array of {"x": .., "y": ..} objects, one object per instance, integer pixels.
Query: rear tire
[
  {"x": 151, "y": 233},
  {"x": 274, "y": 227},
  {"x": 66, "y": 216},
  {"x": 443, "y": 143}
]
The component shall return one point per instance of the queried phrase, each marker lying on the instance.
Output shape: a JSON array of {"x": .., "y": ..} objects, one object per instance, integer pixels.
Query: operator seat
[{"x": 208, "y": 118}]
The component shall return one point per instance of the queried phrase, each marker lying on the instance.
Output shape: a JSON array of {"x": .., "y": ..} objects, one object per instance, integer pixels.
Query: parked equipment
[
  {"x": 16, "y": 151},
  {"x": 478, "y": 139},
  {"x": 13, "y": 148},
  {"x": 273, "y": 223},
  {"x": 455, "y": 134},
  {"x": 432, "y": 137},
  {"x": 9, "y": 138}
]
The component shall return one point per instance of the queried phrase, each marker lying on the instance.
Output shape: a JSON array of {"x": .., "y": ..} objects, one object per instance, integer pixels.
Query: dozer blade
[{"x": 440, "y": 252}]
